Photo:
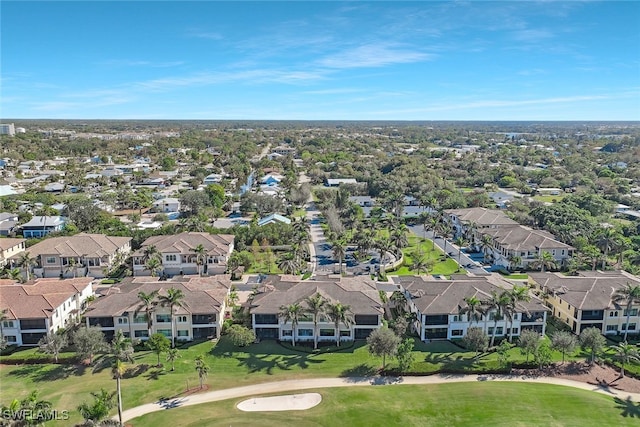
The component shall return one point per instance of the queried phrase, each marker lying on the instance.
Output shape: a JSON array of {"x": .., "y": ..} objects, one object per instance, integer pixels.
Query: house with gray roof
[
  {"x": 83, "y": 254},
  {"x": 36, "y": 309},
  {"x": 586, "y": 300},
  {"x": 40, "y": 226},
  {"x": 178, "y": 256},
  {"x": 359, "y": 293},
  {"x": 200, "y": 316},
  {"x": 438, "y": 303}
]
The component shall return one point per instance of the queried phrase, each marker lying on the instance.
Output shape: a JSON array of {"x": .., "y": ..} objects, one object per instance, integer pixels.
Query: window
[
  {"x": 122, "y": 320},
  {"x": 613, "y": 314},
  {"x": 7, "y": 324},
  {"x": 305, "y": 332},
  {"x": 126, "y": 334},
  {"x": 612, "y": 328},
  {"x": 171, "y": 257},
  {"x": 182, "y": 319},
  {"x": 163, "y": 318},
  {"x": 632, "y": 327},
  {"x": 512, "y": 331},
  {"x": 184, "y": 333},
  {"x": 457, "y": 318},
  {"x": 633, "y": 312},
  {"x": 287, "y": 333},
  {"x": 456, "y": 333},
  {"x": 10, "y": 338},
  {"x": 51, "y": 260},
  {"x": 327, "y": 333},
  {"x": 345, "y": 333},
  {"x": 141, "y": 334},
  {"x": 165, "y": 332},
  {"x": 140, "y": 318}
]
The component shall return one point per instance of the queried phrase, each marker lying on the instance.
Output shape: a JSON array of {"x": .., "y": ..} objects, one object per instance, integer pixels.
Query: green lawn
[
  {"x": 455, "y": 404},
  {"x": 548, "y": 198},
  {"x": 68, "y": 385},
  {"x": 416, "y": 243}
]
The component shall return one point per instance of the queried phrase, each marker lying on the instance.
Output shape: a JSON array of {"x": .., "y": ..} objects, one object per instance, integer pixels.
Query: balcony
[
  {"x": 592, "y": 315},
  {"x": 437, "y": 320}
]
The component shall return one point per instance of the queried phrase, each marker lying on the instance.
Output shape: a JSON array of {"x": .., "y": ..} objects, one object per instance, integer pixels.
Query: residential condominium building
[
  {"x": 587, "y": 300},
  {"x": 438, "y": 303},
  {"x": 200, "y": 315},
  {"x": 40, "y": 226},
  {"x": 178, "y": 256},
  {"x": 10, "y": 248},
  {"x": 512, "y": 245},
  {"x": 83, "y": 254},
  {"x": 41, "y": 307},
  {"x": 359, "y": 293}
]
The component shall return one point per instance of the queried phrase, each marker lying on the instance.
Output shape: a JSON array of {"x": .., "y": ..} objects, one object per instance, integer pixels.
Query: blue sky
[{"x": 321, "y": 60}]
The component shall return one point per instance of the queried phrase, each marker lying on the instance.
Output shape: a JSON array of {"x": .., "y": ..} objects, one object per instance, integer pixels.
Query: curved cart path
[{"x": 317, "y": 383}]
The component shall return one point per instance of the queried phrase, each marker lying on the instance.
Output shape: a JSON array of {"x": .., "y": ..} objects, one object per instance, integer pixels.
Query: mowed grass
[
  {"x": 425, "y": 246},
  {"x": 454, "y": 404}
]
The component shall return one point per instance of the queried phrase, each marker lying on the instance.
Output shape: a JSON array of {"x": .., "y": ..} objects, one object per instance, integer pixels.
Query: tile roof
[
  {"x": 522, "y": 238},
  {"x": 590, "y": 290},
  {"x": 184, "y": 243},
  {"x": 9, "y": 243},
  {"x": 79, "y": 245},
  {"x": 40, "y": 299},
  {"x": 359, "y": 293},
  {"x": 435, "y": 296},
  {"x": 482, "y": 216},
  {"x": 203, "y": 295}
]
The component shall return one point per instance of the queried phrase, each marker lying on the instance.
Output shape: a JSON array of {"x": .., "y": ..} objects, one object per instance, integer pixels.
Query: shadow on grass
[
  {"x": 268, "y": 363},
  {"x": 358, "y": 373},
  {"x": 629, "y": 408},
  {"x": 39, "y": 373},
  {"x": 155, "y": 374}
]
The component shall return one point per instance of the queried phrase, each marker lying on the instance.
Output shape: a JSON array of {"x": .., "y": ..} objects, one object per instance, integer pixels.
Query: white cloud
[{"x": 373, "y": 55}]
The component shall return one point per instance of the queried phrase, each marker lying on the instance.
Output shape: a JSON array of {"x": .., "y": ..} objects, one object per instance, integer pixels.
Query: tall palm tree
[
  {"x": 625, "y": 353},
  {"x": 173, "y": 299},
  {"x": 339, "y": 249},
  {"x": 150, "y": 251},
  {"x": 154, "y": 265},
  {"x": 292, "y": 312},
  {"x": 316, "y": 305},
  {"x": 460, "y": 241},
  {"x": 445, "y": 232},
  {"x": 421, "y": 263},
  {"x": 120, "y": 352},
  {"x": 399, "y": 236},
  {"x": 629, "y": 295},
  {"x": 201, "y": 257},
  {"x": 545, "y": 261},
  {"x": 514, "y": 261},
  {"x": 474, "y": 309},
  {"x": 517, "y": 295},
  {"x": 288, "y": 263},
  {"x": 496, "y": 303},
  {"x": 339, "y": 313},
  {"x": 434, "y": 222},
  {"x": 201, "y": 368},
  {"x": 384, "y": 245},
  {"x": 605, "y": 242},
  {"x": 71, "y": 266},
  {"x": 26, "y": 261},
  {"x": 148, "y": 303},
  {"x": 486, "y": 244}
]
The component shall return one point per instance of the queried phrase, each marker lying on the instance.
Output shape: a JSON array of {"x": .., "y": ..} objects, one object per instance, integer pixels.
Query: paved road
[{"x": 305, "y": 384}]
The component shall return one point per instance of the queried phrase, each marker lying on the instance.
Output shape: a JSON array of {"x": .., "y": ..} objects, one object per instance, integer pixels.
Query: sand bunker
[{"x": 291, "y": 402}]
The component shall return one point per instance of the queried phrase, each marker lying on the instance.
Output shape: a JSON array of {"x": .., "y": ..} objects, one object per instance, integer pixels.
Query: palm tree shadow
[
  {"x": 155, "y": 374},
  {"x": 261, "y": 363},
  {"x": 40, "y": 373},
  {"x": 359, "y": 373},
  {"x": 629, "y": 408}
]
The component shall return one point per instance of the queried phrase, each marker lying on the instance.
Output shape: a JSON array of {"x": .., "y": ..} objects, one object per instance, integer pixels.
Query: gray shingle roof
[
  {"x": 83, "y": 244},
  {"x": 184, "y": 243}
]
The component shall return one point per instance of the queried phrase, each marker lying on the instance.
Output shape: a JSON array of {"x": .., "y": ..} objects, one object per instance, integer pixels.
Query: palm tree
[
  {"x": 96, "y": 412},
  {"x": 445, "y": 232},
  {"x": 33, "y": 409},
  {"x": 339, "y": 249},
  {"x": 174, "y": 299},
  {"x": 172, "y": 355},
  {"x": 545, "y": 261},
  {"x": 399, "y": 236},
  {"x": 486, "y": 244},
  {"x": 605, "y": 241},
  {"x": 121, "y": 351},
  {"x": 292, "y": 312},
  {"x": 496, "y": 303},
  {"x": 422, "y": 263},
  {"x": 150, "y": 252},
  {"x": 3, "y": 317},
  {"x": 434, "y": 223},
  {"x": 339, "y": 313},
  {"x": 474, "y": 310},
  {"x": 201, "y": 368},
  {"x": 514, "y": 261},
  {"x": 154, "y": 265},
  {"x": 26, "y": 261},
  {"x": 316, "y": 306},
  {"x": 201, "y": 257},
  {"x": 384, "y": 245},
  {"x": 625, "y": 353},
  {"x": 148, "y": 304},
  {"x": 288, "y": 263},
  {"x": 13, "y": 274},
  {"x": 517, "y": 294},
  {"x": 460, "y": 241},
  {"x": 629, "y": 295}
]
